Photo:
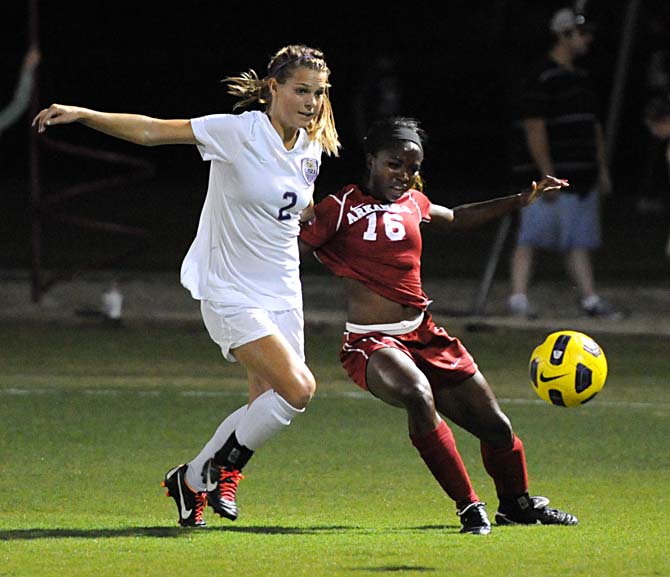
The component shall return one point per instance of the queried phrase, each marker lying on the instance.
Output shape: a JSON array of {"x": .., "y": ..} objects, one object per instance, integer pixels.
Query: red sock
[
  {"x": 507, "y": 466},
  {"x": 439, "y": 452}
]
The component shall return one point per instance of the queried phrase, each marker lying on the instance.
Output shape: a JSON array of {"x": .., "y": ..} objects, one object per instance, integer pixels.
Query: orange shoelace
[
  {"x": 228, "y": 482},
  {"x": 200, "y": 504}
]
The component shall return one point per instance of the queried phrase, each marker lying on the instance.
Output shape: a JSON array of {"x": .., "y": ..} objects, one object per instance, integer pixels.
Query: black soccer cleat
[
  {"x": 474, "y": 519},
  {"x": 190, "y": 504},
  {"x": 222, "y": 483},
  {"x": 532, "y": 511}
]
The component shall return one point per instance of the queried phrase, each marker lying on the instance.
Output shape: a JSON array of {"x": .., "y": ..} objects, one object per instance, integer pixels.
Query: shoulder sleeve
[
  {"x": 327, "y": 219},
  {"x": 423, "y": 204},
  {"x": 220, "y": 135}
]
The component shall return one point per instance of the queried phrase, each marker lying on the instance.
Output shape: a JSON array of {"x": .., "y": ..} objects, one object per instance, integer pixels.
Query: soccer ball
[{"x": 568, "y": 369}]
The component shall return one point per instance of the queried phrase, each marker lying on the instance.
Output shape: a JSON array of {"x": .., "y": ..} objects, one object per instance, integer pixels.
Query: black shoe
[
  {"x": 222, "y": 488},
  {"x": 190, "y": 504},
  {"x": 474, "y": 519},
  {"x": 532, "y": 511}
]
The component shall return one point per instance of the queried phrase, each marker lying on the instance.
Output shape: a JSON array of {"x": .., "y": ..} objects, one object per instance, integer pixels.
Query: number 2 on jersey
[
  {"x": 393, "y": 226},
  {"x": 283, "y": 215}
]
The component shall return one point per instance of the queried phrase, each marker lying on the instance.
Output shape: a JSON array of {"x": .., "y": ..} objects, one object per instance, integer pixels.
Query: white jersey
[{"x": 246, "y": 250}]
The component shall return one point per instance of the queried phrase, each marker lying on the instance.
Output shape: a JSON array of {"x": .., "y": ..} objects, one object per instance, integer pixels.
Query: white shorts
[{"x": 232, "y": 326}]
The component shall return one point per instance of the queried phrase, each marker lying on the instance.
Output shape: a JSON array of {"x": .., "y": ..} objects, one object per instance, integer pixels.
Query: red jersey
[{"x": 379, "y": 244}]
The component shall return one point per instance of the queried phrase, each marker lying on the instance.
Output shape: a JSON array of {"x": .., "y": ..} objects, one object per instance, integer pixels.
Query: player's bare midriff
[{"x": 365, "y": 307}]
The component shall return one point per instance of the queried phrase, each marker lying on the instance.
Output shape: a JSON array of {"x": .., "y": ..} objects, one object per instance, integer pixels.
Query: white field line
[{"x": 107, "y": 392}]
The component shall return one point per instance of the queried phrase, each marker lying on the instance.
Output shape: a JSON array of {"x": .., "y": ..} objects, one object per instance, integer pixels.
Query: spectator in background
[
  {"x": 24, "y": 88},
  {"x": 560, "y": 134},
  {"x": 657, "y": 120},
  {"x": 654, "y": 176}
]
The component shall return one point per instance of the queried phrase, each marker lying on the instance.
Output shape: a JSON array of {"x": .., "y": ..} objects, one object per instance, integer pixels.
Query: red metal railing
[{"x": 47, "y": 206}]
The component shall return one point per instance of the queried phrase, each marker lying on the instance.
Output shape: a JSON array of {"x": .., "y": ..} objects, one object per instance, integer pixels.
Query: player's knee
[
  {"x": 300, "y": 390},
  {"x": 418, "y": 396},
  {"x": 499, "y": 431}
]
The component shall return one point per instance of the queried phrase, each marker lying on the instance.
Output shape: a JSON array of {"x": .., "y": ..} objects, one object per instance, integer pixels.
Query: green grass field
[{"x": 91, "y": 418}]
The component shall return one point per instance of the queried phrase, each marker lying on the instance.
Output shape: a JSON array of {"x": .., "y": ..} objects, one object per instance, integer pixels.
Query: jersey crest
[{"x": 310, "y": 169}]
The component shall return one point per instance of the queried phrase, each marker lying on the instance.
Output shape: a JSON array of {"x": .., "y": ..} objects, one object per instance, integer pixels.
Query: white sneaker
[{"x": 519, "y": 306}]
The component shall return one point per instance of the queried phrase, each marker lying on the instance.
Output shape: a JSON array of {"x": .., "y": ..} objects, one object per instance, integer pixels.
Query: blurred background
[{"x": 453, "y": 68}]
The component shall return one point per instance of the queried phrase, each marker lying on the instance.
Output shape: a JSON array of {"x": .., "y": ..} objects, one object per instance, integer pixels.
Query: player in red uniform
[{"x": 370, "y": 235}]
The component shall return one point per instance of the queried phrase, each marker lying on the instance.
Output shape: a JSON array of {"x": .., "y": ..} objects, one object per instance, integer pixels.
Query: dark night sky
[{"x": 455, "y": 68}]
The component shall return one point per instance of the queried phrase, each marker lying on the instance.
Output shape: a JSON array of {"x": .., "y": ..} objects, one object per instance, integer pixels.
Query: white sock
[
  {"x": 265, "y": 417},
  {"x": 223, "y": 432}
]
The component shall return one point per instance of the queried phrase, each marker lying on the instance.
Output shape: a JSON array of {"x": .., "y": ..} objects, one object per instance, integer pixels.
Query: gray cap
[{"x": 565, "y": 19}]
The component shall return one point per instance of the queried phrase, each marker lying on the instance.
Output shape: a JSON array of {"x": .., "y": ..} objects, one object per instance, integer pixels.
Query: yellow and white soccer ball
[{"x": 568, "y": 369}]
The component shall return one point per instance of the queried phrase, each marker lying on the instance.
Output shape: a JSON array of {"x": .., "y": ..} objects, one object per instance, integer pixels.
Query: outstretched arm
[
  {"x": 135, "y": 128},
  {"x": 467, "y": 216}
]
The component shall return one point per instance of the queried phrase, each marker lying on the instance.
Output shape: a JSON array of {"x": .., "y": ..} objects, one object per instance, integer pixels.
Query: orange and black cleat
[
  {"x": 222, "y": 483},
  {"x": 190, "y": 504}
]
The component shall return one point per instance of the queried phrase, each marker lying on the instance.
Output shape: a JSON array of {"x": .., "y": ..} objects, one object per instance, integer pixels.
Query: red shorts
[{"x": 442, "y": 358}]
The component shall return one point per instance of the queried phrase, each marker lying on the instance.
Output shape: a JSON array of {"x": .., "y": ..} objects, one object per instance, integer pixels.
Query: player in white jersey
[{"x": 243, "y": 265}]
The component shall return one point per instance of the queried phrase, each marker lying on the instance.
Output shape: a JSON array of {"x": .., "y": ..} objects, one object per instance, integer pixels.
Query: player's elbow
[
  {"x": 154, "y": 132},
  {"x": 143, "y": 139},
  {"x": 149, "y": 135}
]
